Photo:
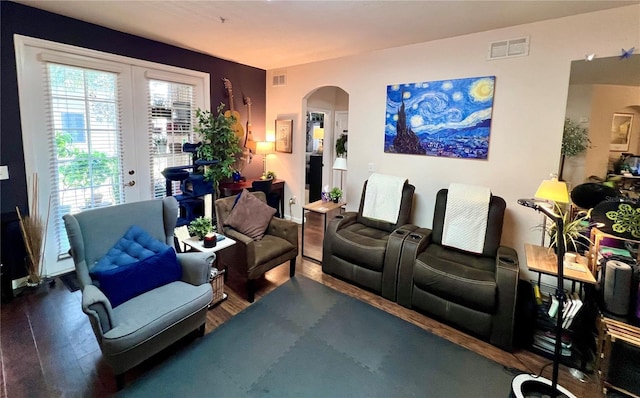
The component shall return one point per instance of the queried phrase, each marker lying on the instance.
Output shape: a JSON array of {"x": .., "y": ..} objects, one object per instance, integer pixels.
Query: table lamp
[
  {"x": 526, "y": 385},
  {"x": 340, "y": 164},
  {"x": 264, "y": 148},
  {"x": 318, "y": 134}
]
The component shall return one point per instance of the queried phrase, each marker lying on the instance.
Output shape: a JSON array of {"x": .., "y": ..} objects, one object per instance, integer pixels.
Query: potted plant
[
  {"x": 575, "y": 140},
  {"x": 341, "y": 146},
  {"x": 270, "y": 175},
  {"x": 335, "y": 194},
  {"x": 574, "y": 230},
  {"x": 200, "y": 227},
  {"x": 219, "y": 142}
]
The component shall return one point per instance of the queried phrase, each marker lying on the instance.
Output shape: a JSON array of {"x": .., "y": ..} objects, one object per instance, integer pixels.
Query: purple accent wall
[{"x": 28, "y": 21}]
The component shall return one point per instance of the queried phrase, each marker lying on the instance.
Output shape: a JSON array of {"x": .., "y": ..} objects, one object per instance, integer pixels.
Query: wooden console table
[{"x": 234, "y": 188}]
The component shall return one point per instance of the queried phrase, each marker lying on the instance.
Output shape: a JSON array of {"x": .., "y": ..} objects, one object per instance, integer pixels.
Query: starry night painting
[{"x": 448, "y": 118}]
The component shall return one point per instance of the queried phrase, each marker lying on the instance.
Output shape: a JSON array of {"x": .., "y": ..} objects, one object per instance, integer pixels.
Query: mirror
[{"x": 604, "y": 98}]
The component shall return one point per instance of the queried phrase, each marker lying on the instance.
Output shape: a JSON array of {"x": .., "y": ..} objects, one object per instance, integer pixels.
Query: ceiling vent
[
  {"x": 279, "y": 78},
  {"x": 509, "y": 48}
]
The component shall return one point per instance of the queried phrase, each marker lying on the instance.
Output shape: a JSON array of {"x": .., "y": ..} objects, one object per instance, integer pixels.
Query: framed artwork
[
  {"x": 620, "y": 131},
  {"x": 284, "y": 133},
  {"x": 447, "y": 118}
]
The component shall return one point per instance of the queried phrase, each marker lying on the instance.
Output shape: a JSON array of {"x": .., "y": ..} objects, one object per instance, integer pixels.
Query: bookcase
[{"x": 595, "y": 247}]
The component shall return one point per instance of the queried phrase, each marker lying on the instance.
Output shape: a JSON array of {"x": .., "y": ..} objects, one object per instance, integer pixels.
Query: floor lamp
[
  {"x": 526, "y": 385},
  {"x": 264, "y": 148},
  {"x": 340, "y": 164}
]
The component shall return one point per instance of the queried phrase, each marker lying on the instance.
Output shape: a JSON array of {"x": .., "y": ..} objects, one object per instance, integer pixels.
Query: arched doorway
[{"x": 327, "y": 116}]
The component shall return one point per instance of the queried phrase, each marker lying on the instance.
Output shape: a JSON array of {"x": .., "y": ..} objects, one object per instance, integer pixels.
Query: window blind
[
  {"x": 85, "y": 137},
  {"x": 171, "y": 120}
]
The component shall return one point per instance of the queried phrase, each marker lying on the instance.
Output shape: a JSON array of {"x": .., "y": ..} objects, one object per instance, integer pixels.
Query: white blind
[
  {"x": 171, "y": 119},
  {"x": 85, "y": 139}
]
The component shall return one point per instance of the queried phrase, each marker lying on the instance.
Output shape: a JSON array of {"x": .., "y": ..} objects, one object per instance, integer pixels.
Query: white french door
[{"x": 90, "y": 133}]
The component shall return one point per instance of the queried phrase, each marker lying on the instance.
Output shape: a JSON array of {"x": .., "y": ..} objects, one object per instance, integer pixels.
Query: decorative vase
[{"x": 236, "y": 176}]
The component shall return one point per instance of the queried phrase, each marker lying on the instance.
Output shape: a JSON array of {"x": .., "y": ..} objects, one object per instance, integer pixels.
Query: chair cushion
[
  {"x": 361, "y": 245},
  {"x": 124, "y": 282},
  {"x": 135, "y": 245},
  {"x": 458, "y": 277},
  {"x": 250, "y": 216},
  {"x": 151, "y": 313}
]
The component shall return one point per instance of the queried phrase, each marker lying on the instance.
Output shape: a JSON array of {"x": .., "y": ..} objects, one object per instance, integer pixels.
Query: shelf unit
[
  {"x": 611, "y": 331},
  {"x": 596, "y": 242}
]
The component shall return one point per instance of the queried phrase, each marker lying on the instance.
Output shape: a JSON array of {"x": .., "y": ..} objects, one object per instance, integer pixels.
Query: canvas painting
[{"x": 448, "y": 118}]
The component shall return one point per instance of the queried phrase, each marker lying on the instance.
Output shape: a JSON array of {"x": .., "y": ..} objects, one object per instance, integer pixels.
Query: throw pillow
[
  {"x": 135, "y": 245},
  {"x": 122, "y": 283},
  {"x": 250, "y": 216}
]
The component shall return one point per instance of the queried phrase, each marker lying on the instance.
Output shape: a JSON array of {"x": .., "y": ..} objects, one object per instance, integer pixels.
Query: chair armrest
[
  {"x": 413, "y": 244},
  {"x": 507, "y": 275},
  {"x": 285, "y": 229},
  {"x": 330, "y": 235},
  {"x": 97, "y": 306},
  {"x": 196, "y": 267}
]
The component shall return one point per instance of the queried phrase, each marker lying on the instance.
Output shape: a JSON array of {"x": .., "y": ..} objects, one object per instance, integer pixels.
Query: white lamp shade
[
  {"x": 340, "y": 164},
  {"x": 264, "y": 147}
]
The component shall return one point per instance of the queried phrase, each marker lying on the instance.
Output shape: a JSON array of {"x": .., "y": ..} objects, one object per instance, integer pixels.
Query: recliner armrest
[
  {"x": 507, "y": 275},
  {"x": 196, "y": 267},
  {"x": 98, "y": 307}
]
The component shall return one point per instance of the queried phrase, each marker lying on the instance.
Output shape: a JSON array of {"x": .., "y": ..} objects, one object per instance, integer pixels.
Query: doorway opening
[{"x": 327, "y": 110}]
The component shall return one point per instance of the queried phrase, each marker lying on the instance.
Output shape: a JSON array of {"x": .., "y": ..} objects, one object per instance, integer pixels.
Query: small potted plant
[
  {"x": 270, "y": 175},
  {"x": 200, "y": 227},
  {"x": 335, "y": 194}
]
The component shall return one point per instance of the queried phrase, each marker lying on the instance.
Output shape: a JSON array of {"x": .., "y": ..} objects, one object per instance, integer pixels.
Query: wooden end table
[{"x": 319, "y": 207}]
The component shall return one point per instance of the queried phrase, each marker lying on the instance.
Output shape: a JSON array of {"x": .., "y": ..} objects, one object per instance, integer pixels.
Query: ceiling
[{"x": 276, "y": 34}]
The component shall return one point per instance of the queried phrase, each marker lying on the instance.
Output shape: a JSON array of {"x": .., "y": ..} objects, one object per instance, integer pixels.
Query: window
[
  {"x": 86, "y": 140},
  {"x": 171, "y": 126},
  {"x": 98, "y": 129}
]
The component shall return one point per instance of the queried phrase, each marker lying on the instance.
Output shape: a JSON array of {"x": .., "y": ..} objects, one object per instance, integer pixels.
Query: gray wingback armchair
[
  {"x": 365, "y": 251},
  {"x": 144, "y": 325},
  {"x": 475, "y": 292}
]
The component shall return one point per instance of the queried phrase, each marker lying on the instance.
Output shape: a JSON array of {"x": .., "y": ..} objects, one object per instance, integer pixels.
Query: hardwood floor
[{"x": 47, "y": 347}]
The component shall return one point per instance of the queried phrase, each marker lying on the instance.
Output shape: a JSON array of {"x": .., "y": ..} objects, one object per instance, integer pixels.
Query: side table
[
  {"x": 319, "y": 207},
  {"x": 217, "y": 276}
]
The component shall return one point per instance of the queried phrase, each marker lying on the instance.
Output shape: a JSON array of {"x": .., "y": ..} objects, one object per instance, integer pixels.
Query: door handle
[{"x": 130, "y": 183}]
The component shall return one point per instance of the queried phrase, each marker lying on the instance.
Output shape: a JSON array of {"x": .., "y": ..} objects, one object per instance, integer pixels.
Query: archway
[{"x": 327, "y": 116}]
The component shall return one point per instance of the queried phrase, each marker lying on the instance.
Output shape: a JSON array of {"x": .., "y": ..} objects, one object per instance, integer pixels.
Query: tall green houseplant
[{"x": 219, "y": 142}]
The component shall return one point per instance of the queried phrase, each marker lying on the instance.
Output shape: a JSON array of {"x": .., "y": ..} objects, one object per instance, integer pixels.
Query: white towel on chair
[
  {"x": 465, "y": 218},
  {"x": 383, "y": 197}
]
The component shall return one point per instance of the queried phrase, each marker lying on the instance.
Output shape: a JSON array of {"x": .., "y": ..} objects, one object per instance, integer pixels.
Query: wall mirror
[{"x": 604, "y": 98}]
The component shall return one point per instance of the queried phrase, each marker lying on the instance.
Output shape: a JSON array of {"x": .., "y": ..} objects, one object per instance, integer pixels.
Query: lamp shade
[
  {"x": 553, "y": 190},
  {"x": 340, "y": 164},
  {"x": 318, "y": 133},
  {"x": 264, "y": 147}
]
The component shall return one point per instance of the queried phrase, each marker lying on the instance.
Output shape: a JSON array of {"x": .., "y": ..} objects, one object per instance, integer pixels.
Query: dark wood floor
[{"x": 47, "y": 347}]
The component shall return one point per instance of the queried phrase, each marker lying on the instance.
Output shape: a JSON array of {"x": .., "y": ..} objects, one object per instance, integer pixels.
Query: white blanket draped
[
  {"x": 465, "y": 219},
  {"x": 383, "y": 197}
]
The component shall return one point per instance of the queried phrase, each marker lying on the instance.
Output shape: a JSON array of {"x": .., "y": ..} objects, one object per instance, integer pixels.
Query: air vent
[
  {"x": 279, "y": 78},
  {"x": 509, "y": 48}
]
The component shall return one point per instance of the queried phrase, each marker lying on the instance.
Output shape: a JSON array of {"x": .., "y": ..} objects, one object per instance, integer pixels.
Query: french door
[{"x": 92, "y": 134}]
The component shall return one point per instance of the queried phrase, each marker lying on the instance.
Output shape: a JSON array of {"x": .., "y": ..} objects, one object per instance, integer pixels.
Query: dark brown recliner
[
  {"x": 476, "y": 292},
  {"x": 249, "y": 259},
  {"x": 360, "y": 251}
]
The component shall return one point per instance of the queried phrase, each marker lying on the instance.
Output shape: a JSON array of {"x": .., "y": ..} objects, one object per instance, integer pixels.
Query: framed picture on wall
[
  {"x": 284, "y": 133},
  {"x": 620, "y": 131}
]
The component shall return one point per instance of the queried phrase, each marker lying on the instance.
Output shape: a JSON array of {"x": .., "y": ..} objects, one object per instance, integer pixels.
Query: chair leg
[
  {"x": 120, "y": 381},
  {"x": 251, "y": 290},
  {"x": 292, "y": 267},
  {"x": 201, "y": 330}
]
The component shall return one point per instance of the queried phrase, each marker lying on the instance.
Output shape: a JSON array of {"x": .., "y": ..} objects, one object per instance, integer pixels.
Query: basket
[{"x": 216, "y": 278}]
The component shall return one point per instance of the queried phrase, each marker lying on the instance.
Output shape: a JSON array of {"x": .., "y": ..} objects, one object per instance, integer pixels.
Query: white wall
[{"x": 528, "y": 114}]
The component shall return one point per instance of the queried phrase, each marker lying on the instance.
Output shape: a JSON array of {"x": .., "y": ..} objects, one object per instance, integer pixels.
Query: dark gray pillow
[{"x": 250, "y": 216}]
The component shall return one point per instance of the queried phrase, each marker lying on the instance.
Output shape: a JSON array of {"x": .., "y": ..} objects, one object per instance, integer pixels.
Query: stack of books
[
  {"x": 546, "y": 341},
  {"x": 570, "y": 308}
]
